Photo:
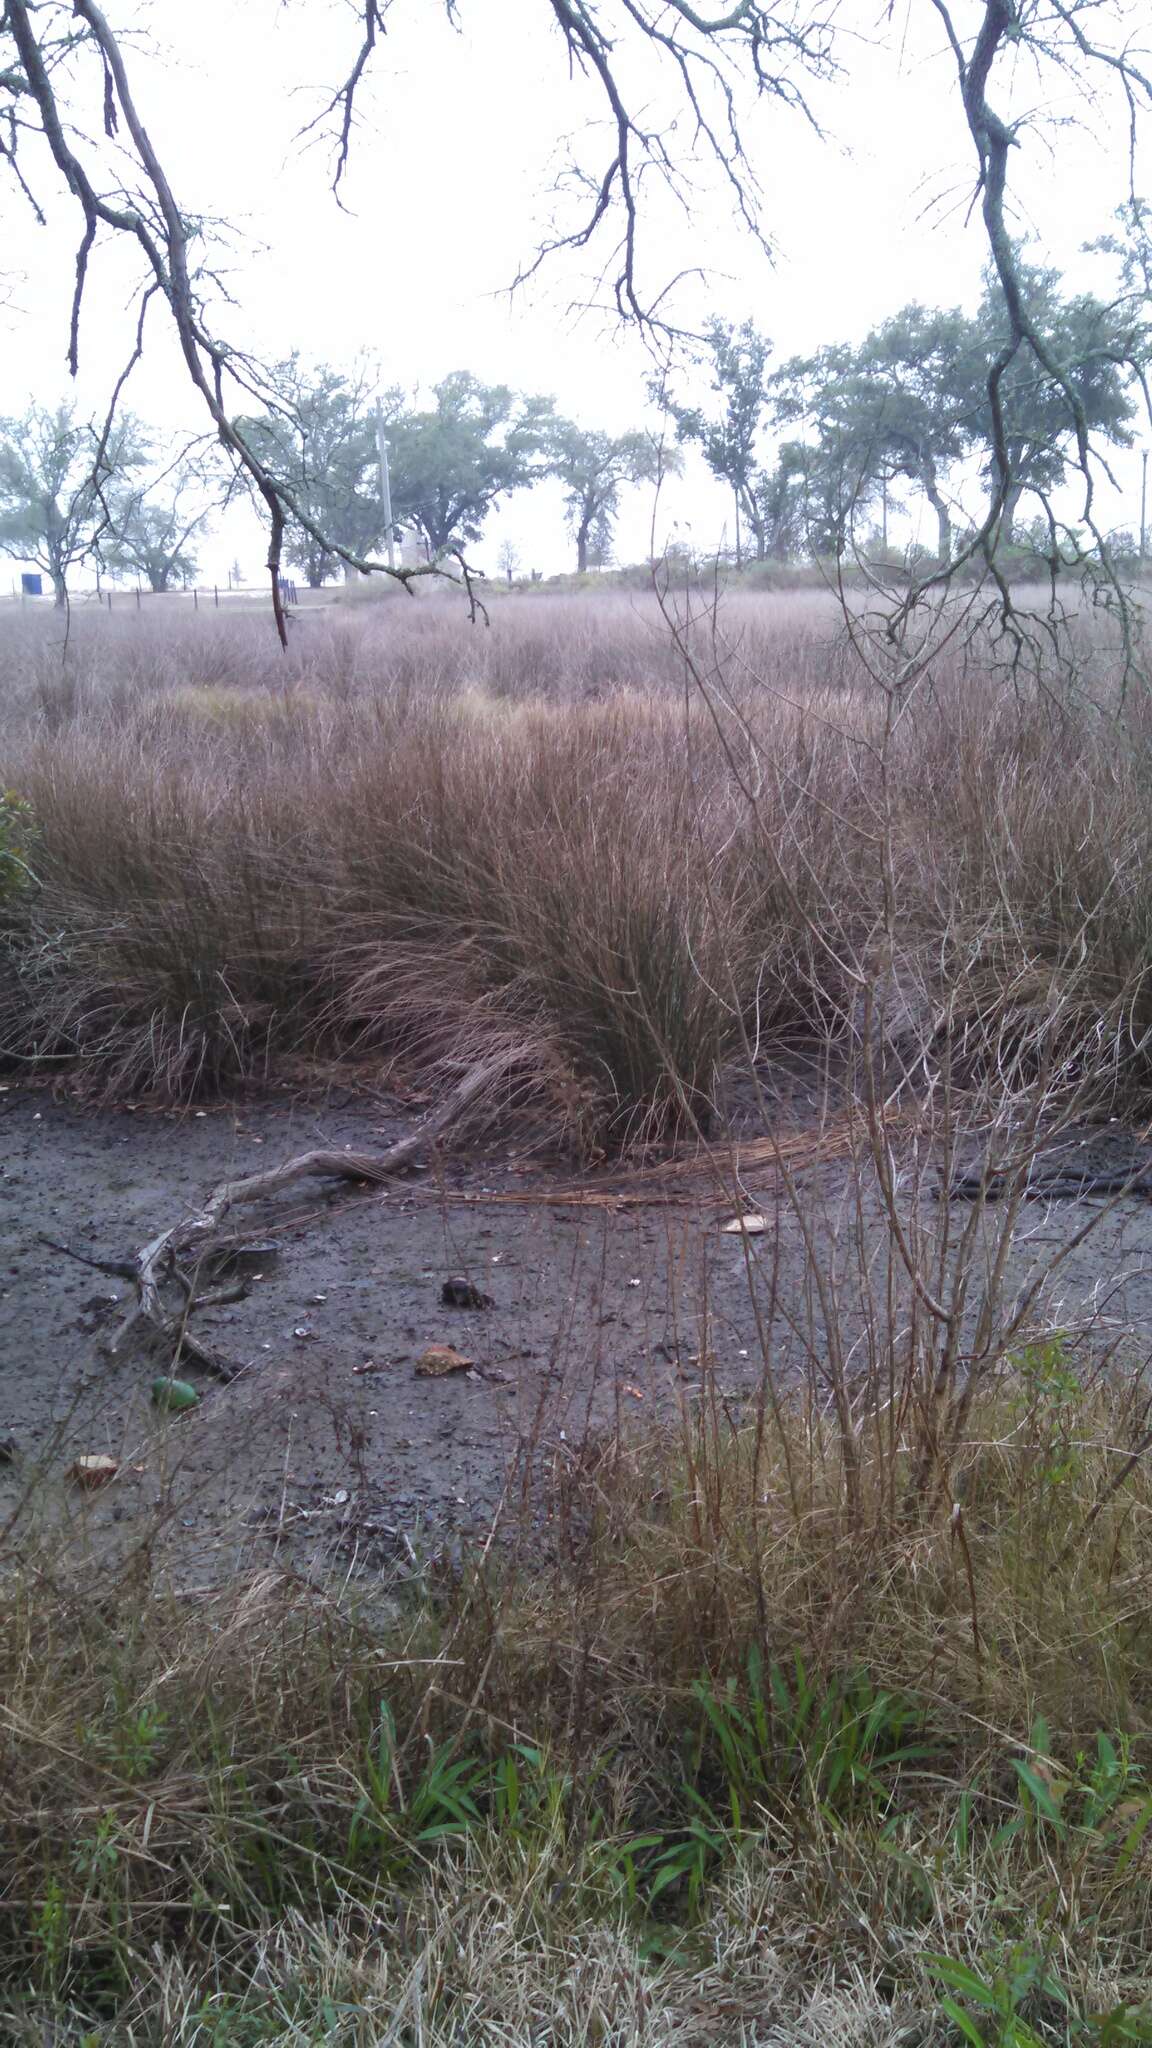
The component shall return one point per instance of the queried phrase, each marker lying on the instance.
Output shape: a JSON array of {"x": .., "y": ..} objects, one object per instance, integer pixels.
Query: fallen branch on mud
[{"x": 175, "y": 1259}]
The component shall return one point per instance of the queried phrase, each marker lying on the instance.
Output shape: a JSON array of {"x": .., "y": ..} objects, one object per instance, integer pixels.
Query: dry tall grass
[{"x": 413, "y": 835}]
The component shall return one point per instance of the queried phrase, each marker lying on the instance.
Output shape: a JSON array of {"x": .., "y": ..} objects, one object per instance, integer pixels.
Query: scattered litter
[
  {"x": 460, "y": 1293},
  {"x": 441, "y": 1359},
  {"x": 369, "y": 1365},
  {"x": 175, "y": 1395},
  {"x": 93, "y": 1469},
  {"x": 634, "y": 1283},
  {"x": 637, "y": 1393},
  {"x": 302, "y": 1332},
  {"x": 314, "y": 1300},
  {"x": 752, "y": 1225}
]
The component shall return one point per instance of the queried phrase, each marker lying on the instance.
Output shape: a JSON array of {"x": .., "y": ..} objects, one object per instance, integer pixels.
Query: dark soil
[{"x": 597, "y": 1312}]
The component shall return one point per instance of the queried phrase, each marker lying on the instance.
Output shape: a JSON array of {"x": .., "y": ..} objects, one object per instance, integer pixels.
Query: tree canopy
[
  {"x": 594, "y": 467},
  {"x": 57, "y": 477},
  {"x": 912, "y": 402},
  {"x": 317, "y": 438},
  {"x": 452, "y": 461},
  {"x": 728, "y": 433},
  {"x": 154, "y": 521}
]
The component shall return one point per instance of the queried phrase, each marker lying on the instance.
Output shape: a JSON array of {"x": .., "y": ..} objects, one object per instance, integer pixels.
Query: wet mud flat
[{"x": 330, "y": 1441}]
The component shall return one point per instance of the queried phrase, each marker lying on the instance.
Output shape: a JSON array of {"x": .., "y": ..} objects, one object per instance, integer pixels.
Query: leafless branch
[{"x": 174, "y": 1256}]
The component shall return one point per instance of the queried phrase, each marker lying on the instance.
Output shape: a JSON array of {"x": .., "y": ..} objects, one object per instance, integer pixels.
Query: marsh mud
[{"x": 606, "y": 1297}]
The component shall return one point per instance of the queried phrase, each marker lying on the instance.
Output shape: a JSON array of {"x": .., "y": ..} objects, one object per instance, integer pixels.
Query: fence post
[
  {"x": 195, "y": 599},
  {"x": 216, "y": 594}
]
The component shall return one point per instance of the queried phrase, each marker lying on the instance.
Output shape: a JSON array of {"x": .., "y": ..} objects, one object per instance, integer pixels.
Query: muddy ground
[{"x": 598, "y": 1311}]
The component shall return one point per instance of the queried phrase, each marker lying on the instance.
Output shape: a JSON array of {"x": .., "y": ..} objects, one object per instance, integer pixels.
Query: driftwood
[{"x": 172, "y": 1262}]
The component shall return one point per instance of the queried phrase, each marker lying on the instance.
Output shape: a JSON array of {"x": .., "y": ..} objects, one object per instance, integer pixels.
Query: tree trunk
[
  {"x": 1008, "y": 516},
  {"x": 943, "y": 521},
  {"x": 753, "y": 520},
  {"x": 582, "y": 547},
  {"x": 59, "y": 586}
]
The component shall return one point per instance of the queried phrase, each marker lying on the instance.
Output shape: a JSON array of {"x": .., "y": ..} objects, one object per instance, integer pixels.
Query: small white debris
[
  {"x": 752, "y": 1225},
  {"x": 93, "y": 1469}
]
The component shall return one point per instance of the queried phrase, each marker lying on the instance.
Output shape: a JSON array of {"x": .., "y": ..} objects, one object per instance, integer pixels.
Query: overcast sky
[{"x": 450, "y": 186}]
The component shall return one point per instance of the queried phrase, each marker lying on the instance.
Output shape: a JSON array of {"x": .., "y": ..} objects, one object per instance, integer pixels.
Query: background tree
[
  {"x": 728, "y": 433},
  {"x": 1080, "y": 376},
  {"x": 783, "y": 502},
  {"x": 56, "y": 476},
  {"x": 318, "y": 440},
  {"x": 594, "y": 467},
  {"x": 451, "y": 463},
  {"x": 904, "y": 403},
  {"x": 152, "y": 525},
  {"x": 508, "y": 558}
]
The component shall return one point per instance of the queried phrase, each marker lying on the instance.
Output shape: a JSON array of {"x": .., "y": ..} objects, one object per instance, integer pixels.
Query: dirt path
[{"x": 598, "y": 1311}]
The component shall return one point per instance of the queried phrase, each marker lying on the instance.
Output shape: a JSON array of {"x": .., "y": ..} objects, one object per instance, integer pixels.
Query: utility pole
[
  {"x": 385, "y": 484},
  {"x": 1143, "y": 506}
]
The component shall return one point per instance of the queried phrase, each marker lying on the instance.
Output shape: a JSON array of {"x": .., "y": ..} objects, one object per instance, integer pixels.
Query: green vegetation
[
  {"x": 17, "y": 836},
  {"x": 730, "y": 1750}
]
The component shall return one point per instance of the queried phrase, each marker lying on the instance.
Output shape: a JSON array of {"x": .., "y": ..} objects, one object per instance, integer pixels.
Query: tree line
[
  {"x": 910, "y": 408},
  {"x": 817, "y": 451},
  {"x": 70, "y": 494}
]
